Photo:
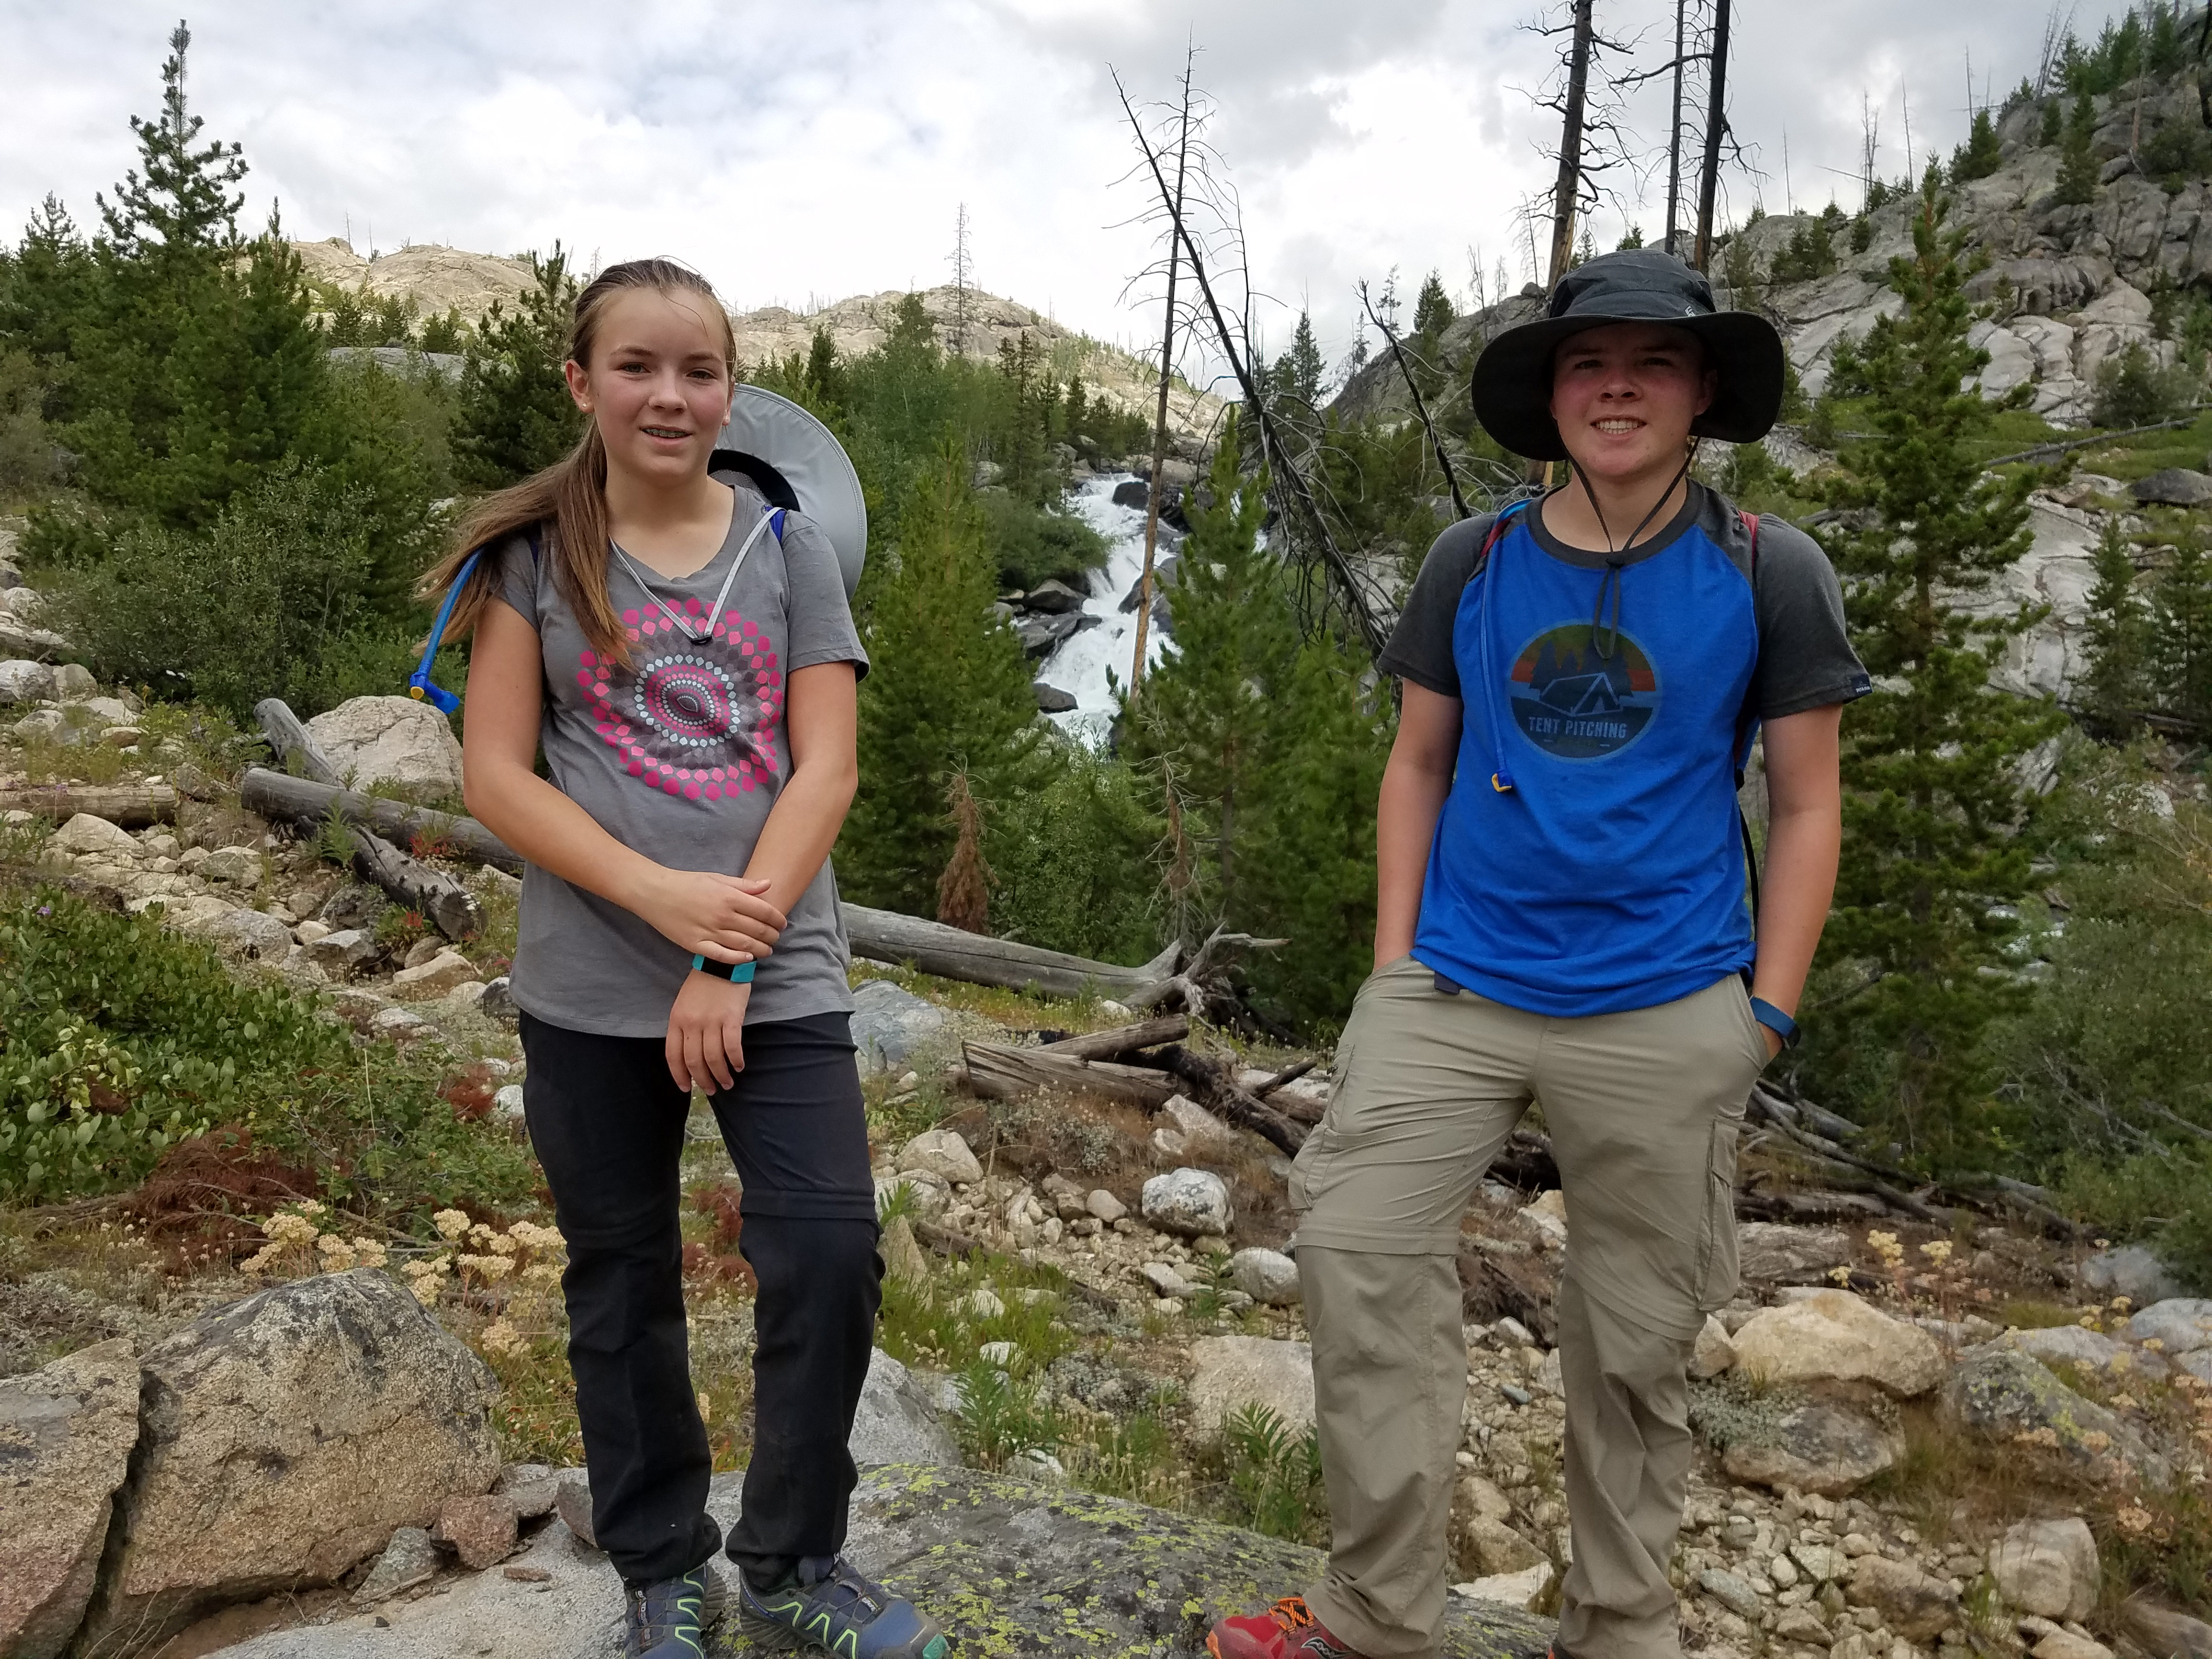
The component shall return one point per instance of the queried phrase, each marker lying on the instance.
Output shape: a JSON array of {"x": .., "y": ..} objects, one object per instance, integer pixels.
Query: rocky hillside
[{"x": 438, "y": 279}]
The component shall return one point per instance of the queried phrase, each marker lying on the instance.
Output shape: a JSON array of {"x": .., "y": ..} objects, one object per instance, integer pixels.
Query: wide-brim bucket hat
[{"x": 1512, "y": 382}]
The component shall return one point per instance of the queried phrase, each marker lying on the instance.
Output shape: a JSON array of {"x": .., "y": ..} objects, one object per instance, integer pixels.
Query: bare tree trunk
[
  {"x": 1568, "y": 185},
  {"x": 1160, "y": 418},
  {"x": 1675, "y": 134},
  {"x": 1715, "y": 124}
]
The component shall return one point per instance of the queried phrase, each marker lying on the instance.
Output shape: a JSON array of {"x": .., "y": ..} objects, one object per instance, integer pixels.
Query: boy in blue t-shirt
[{"x": 1562, "y": 916}]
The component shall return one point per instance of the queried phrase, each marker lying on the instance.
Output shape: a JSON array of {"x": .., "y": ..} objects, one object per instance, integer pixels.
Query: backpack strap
[
  {"x": 1745, "y": 721},
  {"x": 1499, "y": 523}
]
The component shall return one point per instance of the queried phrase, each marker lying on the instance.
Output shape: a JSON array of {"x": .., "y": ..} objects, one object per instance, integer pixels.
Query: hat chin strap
[{"x": 1689, "y": 457}]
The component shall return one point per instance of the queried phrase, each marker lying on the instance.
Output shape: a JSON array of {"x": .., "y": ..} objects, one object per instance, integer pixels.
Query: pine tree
[
  {"x": 181, "y": 208},
  {"x": 1432, "y": 310},
  {"x": 949, "y": 691},
  {"x": 1299, "y": 371},
  {"x": 2181, "y": 637},
  {"x": 1210, "y": 703},
  {"x": 2052, "y": 127},
  {"x": 2077, "y": 167},
  {"x": 511, "y": 412},
  {"x": 1931, "y": 801},
  {"x": 1979, "y": 156},
  {"x": 2116, "y": 641}
]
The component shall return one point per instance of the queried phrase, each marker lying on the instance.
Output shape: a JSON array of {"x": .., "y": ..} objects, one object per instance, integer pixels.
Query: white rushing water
[{"x": 1080, "y": 666}]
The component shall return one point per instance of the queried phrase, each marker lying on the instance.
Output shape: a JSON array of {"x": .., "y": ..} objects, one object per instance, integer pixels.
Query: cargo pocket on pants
[{"x": 1718, "y": 1261}]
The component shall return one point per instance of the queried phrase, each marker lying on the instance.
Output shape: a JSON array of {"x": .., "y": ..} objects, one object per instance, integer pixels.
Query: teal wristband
[{"x": 738, "y": 973}]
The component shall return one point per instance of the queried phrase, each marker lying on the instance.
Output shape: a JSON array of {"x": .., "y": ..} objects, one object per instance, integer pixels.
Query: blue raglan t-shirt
[{"x": 1617, "y": 697}]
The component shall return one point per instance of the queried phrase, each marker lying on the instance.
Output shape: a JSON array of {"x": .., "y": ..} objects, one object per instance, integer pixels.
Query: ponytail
[{"x": 567, "y": 503}]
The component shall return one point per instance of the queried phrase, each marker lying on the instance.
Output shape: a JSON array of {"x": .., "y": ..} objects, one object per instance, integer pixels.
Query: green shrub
[
  {"x": 1071, "y": 862},
  {"x": 2132, "y": 390},
  {"x": 118, "y": 1040},
  {"x": 1030, "y": 543},
  {"x": 272, "y": 601}
]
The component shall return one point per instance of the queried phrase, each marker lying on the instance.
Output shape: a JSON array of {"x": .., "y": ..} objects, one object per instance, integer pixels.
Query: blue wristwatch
[
  {"x": 738, "y": 973},
  {"x": 1774, "y": 1021}
]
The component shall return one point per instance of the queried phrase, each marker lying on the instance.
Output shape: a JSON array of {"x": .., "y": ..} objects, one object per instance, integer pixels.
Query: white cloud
[{"x": 799, "y": 153}]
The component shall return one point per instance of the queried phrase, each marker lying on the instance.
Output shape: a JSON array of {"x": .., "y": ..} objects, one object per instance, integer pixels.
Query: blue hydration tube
[
  {"x": 1502, "y": 779},
  {"x": 419, "y": 684}
]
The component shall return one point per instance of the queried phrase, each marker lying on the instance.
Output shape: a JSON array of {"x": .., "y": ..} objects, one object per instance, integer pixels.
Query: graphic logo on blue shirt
[{"x": 1576, "y": 704}]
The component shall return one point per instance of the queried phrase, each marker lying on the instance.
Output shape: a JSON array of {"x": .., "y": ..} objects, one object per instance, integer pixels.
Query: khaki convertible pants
[{"x": 1643, "y": 1109}]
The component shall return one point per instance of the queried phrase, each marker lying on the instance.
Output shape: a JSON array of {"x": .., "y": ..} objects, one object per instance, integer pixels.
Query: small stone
[
  {"x": 401, "y": 1025},
  {"x": 2064, "y": 1644},
  {"x": 1494, "y": 1549},
  {"x": 1267, "y": 1276},
  {"x": 1513, "y": 1589},
  {"x": 573, "y": 1504},
  {"x": 1715, "y": 1351},
  {"x": 1230, "y": 1372},
  {"x": 308, "y": 932},
  {"x": 342, "y": 952},
  {"x": 1187, "y": 1201},
  {"x": 1821, "y": 1447},
  {"x": 239, "y": 864},
  {"x": 979, "y": 1305},
  {"x": 526, "y": 1574},
  {"x": 1732, "y": 1593},
  {"x": 481, "y": 1529},
  {"x": 411, "y": 1558},
  {"x": 943, "y": 1153},
  {"x": 498, "y": 1002},
  {"x": 902, "y": 1252},
  {"x": 1803, "y": 1624},
  {"x": 532, "y": 1487},
  {"x": 1165, "y": 1280},
  {"x": 1911, "y": 1604},
  {"x": 1105, "y": 1207},
  {"x": 1515, "y": 1332},
  {"x": 423, "y": 951},
  {"x": 2049, "y": 1568},
  {"x": 1783, "y": 1570},
  {"x": 445, "y": 970},
  {"x": 1515, "y": 1392},
  {"x": 74, "y": 681}
]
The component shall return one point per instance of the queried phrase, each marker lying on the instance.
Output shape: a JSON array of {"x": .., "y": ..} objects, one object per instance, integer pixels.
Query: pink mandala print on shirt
[{"x": 693, "y": 720}]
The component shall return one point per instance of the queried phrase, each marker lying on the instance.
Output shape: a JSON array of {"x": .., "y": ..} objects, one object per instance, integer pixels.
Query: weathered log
[
  {"x": 452, "y": 908},
  {"x": 1288, "y": 1074},
  {"x": 133, "y": 806},
  {"x": 931, "y": 947},
  {"x": 288, "y": 737},
  {"x": 302, "y": 800},
  {"x": 1122, "y": 1040},
  {"x": 998, "y": 1072}
]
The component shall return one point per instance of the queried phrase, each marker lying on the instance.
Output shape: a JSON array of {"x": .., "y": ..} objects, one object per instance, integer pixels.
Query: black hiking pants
[{"x": 607, "y": 1123}]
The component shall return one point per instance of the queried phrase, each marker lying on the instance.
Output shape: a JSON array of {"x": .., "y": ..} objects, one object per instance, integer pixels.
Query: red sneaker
[{"x": 1285, "y": 1631}]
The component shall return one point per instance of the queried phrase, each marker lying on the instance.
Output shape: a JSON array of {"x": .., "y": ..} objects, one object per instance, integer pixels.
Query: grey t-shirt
[
  {"x": 680, "y": 756},
  {"x": 1805, "y": 655}
]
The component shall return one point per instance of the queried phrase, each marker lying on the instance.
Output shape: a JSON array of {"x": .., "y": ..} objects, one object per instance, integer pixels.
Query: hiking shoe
[
  {"x": 665, "y": 1619},
  {"x": 1286, "y": 1630},
  {"x": 841, "y": 1612}
]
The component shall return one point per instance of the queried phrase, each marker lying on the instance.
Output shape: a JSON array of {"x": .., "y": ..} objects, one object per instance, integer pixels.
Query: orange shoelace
[{"x": 1291, "y": 1613}]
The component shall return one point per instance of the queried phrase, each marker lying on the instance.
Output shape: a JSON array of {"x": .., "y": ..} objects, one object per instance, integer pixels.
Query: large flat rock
[{"x": 1011, "y": 1567}]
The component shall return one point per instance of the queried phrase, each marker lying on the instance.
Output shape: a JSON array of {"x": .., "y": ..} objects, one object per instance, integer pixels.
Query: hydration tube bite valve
[{"x": 419, "y": 684}]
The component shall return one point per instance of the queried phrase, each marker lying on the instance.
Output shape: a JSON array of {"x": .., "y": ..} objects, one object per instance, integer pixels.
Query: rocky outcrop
[
  {"x": 889, "y": 1023},
  {"x": 2008, "y": 1396},
  {"x": 284, "y": 1437},
  {"x": 438, "y": 279},
  {"x": 1012, "y": 1568},
  {"x": 66, "y": 1433},
  {"x": 896, "y": 1422}
]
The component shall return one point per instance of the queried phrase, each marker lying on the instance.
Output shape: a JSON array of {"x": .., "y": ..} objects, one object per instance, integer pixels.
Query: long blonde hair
[{"x": 567, "y": 502}]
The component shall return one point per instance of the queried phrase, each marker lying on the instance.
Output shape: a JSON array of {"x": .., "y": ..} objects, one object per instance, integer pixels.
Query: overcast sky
[{"x": 803, "y": 153}]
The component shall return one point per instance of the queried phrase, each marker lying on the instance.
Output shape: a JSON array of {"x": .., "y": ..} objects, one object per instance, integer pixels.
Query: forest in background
[{"x": 2013, "y": 977}]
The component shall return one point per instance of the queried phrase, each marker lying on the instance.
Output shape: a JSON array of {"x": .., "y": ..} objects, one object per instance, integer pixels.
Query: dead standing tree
[
  {"x": 1314, "y": 543},
  {"x": 1709, "y": 180},
  {"x": 1184, "y": 121}
]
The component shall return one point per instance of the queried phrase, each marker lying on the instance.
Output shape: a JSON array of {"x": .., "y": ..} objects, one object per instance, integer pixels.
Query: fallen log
[
  {"x": 133, "y": 806},
  {"x": 1213, "y": 1083},
  {"x": 1122, "y": 1040},
  {"x": 303, "y": 801},
  {"x": 451, "y": 908},
  {"x": 998, "y": 1072},
  {"x": 1288, "y": 1074},
  {"x": 288, "y": 737},
  {"x": 931, "y": 947}
]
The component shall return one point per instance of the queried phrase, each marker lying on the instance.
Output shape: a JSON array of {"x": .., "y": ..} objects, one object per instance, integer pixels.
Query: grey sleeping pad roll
[{"x": 796, "y": 462}]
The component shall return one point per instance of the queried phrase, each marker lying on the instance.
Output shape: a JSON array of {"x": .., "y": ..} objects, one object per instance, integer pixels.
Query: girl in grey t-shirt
[{"x": 684, "y": 657}]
